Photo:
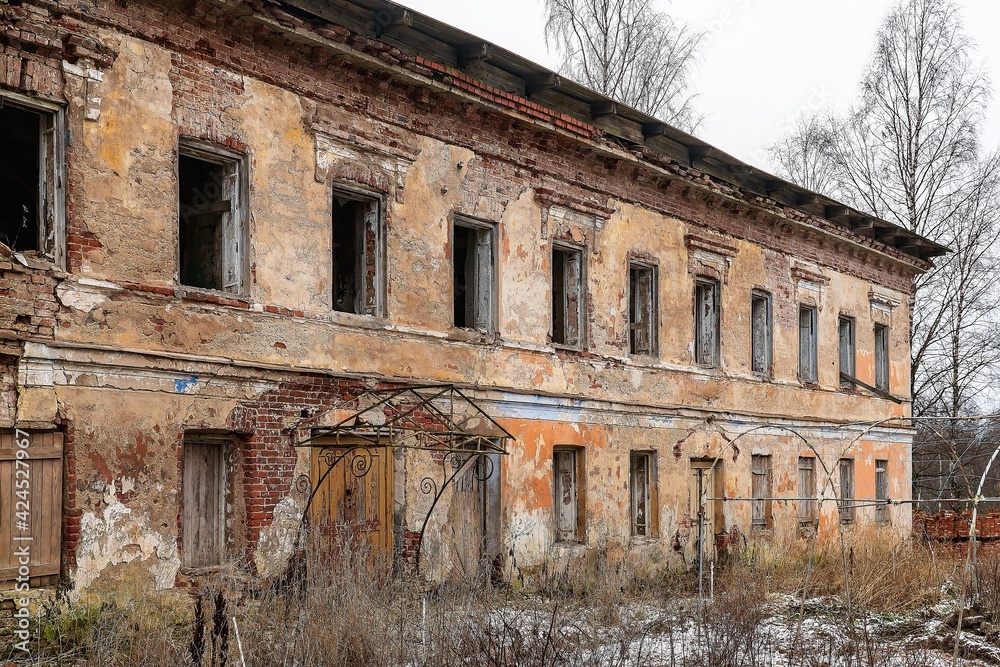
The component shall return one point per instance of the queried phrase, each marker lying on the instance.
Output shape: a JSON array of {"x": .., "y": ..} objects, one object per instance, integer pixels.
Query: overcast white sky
[{"x": 763, "y": 60}]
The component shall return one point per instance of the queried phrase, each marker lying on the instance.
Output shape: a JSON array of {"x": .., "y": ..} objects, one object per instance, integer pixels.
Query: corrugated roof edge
[{"x": 434, "y": 40}]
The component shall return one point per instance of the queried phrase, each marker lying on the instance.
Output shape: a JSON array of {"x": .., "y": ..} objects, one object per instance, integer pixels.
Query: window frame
[
  {"x": 882, "y": 491},
  {"x": 806, "y": 511},
  {"x": 712, "y": 326},
  {"x": 882, "y": 379},
  {"x": 52, "y": 141},
  {"x": 240, "y": 164},
  {"x": 851, "y": 355},
  {"x": 761, "y": 484},
  {"x": 767, "y": 372},
  {"x": 808, "y": 372},
  {"x": 378, "y": 199},
  {"x": 581, "y": 317},
  {"x": 650, "y": 498},
  {"x": 654, "y": 319},
  {"x": 492, "y": 229},
  {"x": 579, "y": 501},
  {"x": 846, "y": 486}
]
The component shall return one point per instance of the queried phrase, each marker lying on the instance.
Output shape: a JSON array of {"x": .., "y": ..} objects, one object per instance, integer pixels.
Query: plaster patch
[
  {"x": 277, "y": 541},
  {"x": 116, "y": 536}
]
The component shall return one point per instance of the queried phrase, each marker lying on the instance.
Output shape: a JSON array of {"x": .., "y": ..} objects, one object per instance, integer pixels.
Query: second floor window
[
  {"x": 567, "y": 296},
  {"x": 807, "y": 343},
  {"x": 845, "y": 332},
  {"x": 211, "y": 233},
  {"x": 706, "y": 346},
  {"x": 760, "y": 334},
  {"x": 882, "y": 357},
  {"x": 358, "y": 258},
  {"x": 474, "y": 280},
  {"x": 642, "y": 309}
]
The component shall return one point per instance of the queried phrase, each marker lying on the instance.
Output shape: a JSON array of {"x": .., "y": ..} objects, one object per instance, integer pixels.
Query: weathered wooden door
[
  {"x": 705, "y": 489},
  {"x": 202, "y": 512},
  {"x": 30, "y": 503},
  {"x": 356, "y": 496},
  {"x": 474, "y": 517}
]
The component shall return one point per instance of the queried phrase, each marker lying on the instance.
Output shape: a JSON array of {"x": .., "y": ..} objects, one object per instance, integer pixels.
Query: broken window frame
[
  {"x": 761, "y": 476},
  {"x": 370, "y": 259},
  {"x": 846, "y": 346},
  {"x": 568, "y": 304},
  {"x": 643, "y": 506},
  {"x": 235, "y": 228},
  {"x": 807, "y": 489},
  {"x": 881, "y": 333},
  {"x": 483, "y": 292},
  {"x": 643, "y": 334},
  {"x": 761, "y": 334},
  {"x": 808, "y": 363},
  {"x": 845, "y": 498},
  {"x": 881, "y": 490},
  {"x": 707, "y": 318},
  {"x": 567, "y": 469},
  {"x": 51, "y": 212}
]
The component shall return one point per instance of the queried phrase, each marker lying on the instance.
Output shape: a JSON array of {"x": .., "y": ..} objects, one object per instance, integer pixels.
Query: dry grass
[{"x": 599, "y": 610}]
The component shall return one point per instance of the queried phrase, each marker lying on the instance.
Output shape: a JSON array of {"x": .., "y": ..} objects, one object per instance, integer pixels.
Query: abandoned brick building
[{"x": 240, "y": 236}]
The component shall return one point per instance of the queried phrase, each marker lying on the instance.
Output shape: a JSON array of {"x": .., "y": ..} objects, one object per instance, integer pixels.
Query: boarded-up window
[
  {"x": 568, "y": 496},
  {"x": 211, "y": 220},
  {"x": 760, "y": 333},
  {"x": 474, "y": 281},
  {"x": 642, "y": 309},
  {"x": 30, "y": 502},
  {"x": 642, "y": 492},
  {"x": 846, "y": 500},
  {"x": 760, "y": 472},
  {"x": 807, "y": 491},
  {"x": 881, "y": 490},
  {"x": 203, "y": 508},
  {"x": 567, "y": 296},
  {"x": 807, "y": 343},
  {"x": 707, "y": 323},
  {"x": 882, "y": 357},
  {"x": 358, "y": 273},
  {"x": 845, "y": 331}
]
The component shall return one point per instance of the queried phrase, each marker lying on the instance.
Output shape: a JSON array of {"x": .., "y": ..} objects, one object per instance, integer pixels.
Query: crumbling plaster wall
[{"x": 337, "y": 124}]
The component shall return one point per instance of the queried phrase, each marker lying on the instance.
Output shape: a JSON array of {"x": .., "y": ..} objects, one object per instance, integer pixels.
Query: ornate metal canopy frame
[{"x": 439, "y": 419}]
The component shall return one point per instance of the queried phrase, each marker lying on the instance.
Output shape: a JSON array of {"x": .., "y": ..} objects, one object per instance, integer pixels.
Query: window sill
[
  {"x": 559, "y": 347},
  {"x": 473, "y": 335},
  {"x": 204, "y": 295},
  {"x": 356, "y": 320}
]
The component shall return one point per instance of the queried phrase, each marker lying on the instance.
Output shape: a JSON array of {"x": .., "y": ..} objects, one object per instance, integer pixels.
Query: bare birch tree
[
  {"x": 629, "y": 51},
  {"x": 804, "y": 155}
]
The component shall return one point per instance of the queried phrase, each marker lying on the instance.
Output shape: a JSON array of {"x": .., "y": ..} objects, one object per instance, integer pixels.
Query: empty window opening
[
  {"x": 357, "y": 254},
  {"x": 211, "y": 224},
  {"x": 29, "y": 178},
  {"x": 845, "y": 330},
  {"x": 204, "y": 500},
  {"x": 807, "y": 492},
  {"x": 882, "y": 357},
  {"x": 760, "y": 334},
  {"x": 707, "y": 323},
  {"x": 568, "y": 498},
  {"x": 761, "y": 473},
  {"x": 642, "y": 309},
  {"x": 846, "y": 500},
  {"x": 474, "y": 282},
  {"x": 881, "y": 490},
  {"x": 567, "y": 297},
  {"x": 642, "y": 490},
  {"x": 807, "y": 343}
]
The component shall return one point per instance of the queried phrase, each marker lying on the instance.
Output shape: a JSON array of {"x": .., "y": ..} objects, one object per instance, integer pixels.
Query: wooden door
[
  {"x": 202, "y": 513},
  {"x": 356, "y": 495},
  {"x": 30, "y": 502},
  {"x": 705, "y": 490}
]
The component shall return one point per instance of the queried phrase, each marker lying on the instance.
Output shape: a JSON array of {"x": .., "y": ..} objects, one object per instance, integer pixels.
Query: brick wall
[{"x": 951, "y": 526}]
